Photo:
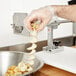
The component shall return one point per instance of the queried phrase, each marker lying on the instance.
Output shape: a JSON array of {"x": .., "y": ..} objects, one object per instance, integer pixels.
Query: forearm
[{"x": 66, "y": 11}]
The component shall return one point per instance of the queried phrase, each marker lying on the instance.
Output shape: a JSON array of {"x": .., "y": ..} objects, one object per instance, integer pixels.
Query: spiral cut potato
[
  {"x": 33, "y": 34},
  {"x": 25, "y": 67}
]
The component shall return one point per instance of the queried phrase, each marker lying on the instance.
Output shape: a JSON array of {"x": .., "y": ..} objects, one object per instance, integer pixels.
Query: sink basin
[{"x": 65, "y": 59}]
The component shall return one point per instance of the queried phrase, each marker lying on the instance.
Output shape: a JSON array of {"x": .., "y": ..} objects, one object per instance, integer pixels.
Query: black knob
[{"x": 56, "y": 43}]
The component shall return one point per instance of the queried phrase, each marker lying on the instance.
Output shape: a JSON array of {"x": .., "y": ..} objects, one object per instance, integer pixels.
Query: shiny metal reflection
[{"x": 9, "y": 58}]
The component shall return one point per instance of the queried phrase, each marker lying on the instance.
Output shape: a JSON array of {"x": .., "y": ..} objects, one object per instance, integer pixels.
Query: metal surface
[
  {"x": 8, "y": 59},
  {"x": 18, "y": 24},
  {"x": 51, "y": 26}
]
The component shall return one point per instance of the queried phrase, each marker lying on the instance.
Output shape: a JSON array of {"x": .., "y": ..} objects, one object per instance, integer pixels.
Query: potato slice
[
  {"x": 33, "y": 33},
  {"x": 32, "y": 47},
  {"x": 22, "y": 66}
]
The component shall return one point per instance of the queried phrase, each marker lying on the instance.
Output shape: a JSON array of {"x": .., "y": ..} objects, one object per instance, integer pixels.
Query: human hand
[{"x": 44, "y": 15}]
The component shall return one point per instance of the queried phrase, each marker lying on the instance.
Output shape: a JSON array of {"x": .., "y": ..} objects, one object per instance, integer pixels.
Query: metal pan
[{"x": 9, "y": 58}]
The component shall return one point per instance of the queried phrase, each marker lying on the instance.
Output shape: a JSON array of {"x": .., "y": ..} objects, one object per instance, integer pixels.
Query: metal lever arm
[{"x": 52, "y": 26}]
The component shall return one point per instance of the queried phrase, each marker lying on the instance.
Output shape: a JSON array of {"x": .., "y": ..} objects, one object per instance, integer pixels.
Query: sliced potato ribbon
[{"x": 25, "y": 66}]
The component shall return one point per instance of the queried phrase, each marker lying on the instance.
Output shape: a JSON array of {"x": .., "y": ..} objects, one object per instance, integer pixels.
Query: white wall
[
  {"x": 8, "y": 7},
  {"x": 4, "y": 16}
]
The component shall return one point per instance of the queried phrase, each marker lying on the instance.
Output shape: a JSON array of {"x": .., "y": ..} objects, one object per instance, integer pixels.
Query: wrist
[
  {"x": 58, "y": 9},
  {"x": 52, "y": 10}
]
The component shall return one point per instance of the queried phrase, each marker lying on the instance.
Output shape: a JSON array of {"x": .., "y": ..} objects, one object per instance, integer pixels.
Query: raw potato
[
  {"x": 33, "y": 40},
  {"x": 31, "y": 57},
  {"x": 32, "y": 52},
  {"x": 31, "y": 62},
  {"x": 33, "y": 33},
  {"x": 22, "y": 66},
  {"x": 19, "y": 70},
  {"x": 32, "y": 47}
]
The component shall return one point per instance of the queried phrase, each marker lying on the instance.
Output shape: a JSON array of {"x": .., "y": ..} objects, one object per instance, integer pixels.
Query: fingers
[
  {"x": 42, "y": 25},
  {"x": 28, "y": 21},
  {"x": 32, "y": 18}
]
